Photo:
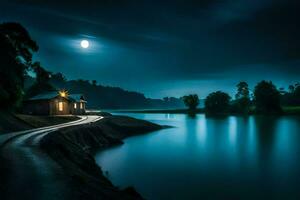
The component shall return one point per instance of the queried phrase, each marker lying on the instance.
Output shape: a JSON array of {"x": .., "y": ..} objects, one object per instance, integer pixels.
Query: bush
[
  {"x": 217, "y": 103},
  {"x": 267, "y": 98},
  {"x": 191, "y": 101}
]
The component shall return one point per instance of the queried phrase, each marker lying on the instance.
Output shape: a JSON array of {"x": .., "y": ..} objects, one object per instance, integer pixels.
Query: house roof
[
  {"x": 45, "y": 96},
  {"x": 54, "y": 94},
  {"x": 76, "y": 97}
]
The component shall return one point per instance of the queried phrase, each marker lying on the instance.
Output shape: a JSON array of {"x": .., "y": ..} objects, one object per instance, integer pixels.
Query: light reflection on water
[{"x": 210, "y": 158}]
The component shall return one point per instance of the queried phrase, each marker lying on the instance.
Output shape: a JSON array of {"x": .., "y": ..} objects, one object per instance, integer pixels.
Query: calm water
[{"x": 210, "y": 158}]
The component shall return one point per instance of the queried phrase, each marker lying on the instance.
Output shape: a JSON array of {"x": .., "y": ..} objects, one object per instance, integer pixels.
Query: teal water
[{"x": 256, "y": 157}]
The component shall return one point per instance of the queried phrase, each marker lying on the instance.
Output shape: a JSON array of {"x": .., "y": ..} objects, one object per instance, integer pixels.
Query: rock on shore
[{"x": 72, "y": 148}]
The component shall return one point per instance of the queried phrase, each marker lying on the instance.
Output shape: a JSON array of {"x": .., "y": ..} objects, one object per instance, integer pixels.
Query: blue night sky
[{"x": 165, "y": 48}]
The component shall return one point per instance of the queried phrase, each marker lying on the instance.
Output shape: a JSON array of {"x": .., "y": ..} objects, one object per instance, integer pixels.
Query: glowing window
[
  {"x": 75, "y": 105},
  {"x": 60, "y": 106},
  {"x": 81, "y": 105}
]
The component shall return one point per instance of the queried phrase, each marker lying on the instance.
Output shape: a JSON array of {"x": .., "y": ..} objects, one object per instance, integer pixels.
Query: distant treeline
[
  {"x": 105, "y": 97},
  {"x": 265, "y": 99}
]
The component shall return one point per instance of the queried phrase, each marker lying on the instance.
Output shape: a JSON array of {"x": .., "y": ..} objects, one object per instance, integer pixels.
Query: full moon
[{"x": 85, "y": 44}]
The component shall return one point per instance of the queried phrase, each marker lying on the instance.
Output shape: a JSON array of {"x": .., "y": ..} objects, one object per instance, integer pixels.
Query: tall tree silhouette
[
  {"x": 267, "y": 98},
  {"x": 15, "y": 57},
  {"x": 242, "y": 98},
  {"x": 242, "y": 90}
]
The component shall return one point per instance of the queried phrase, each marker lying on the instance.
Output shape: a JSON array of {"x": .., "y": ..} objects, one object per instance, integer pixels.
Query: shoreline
[
  {"x": 159, "y": 111},
  {"x": 73, "y": 148},
  {"x": 287, "y": 110}
]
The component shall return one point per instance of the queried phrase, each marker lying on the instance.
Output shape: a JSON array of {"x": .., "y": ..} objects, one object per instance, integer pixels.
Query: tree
[
  {"x": 292, "y": 97},
  {"x": 94, "y": 82},
  {"x": 15, "y": 58},
  {"x": 296, "y": 95},
  {"x": 42, "y": 75},
  {"x": 166, "y": 99},
  {"x": 291, "y": 88},
  {"x": 58, "y": 80},
  {"x": 242, "y": 102},
  {"x": 20, "y": 40},
  {"x": 242, "y": 90},
  {"x": 217, "y": 102},
  {"x": 191, "y": 101},
  {"x": 42, "y": 81},
  {"x": 267, "y": 98}
]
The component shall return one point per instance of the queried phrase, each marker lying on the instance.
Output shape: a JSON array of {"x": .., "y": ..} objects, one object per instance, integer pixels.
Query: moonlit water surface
[{"x": 210, "y": 158}]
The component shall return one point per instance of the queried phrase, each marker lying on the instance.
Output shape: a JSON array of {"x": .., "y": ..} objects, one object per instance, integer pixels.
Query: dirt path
[{"x": 28, "y": 173}]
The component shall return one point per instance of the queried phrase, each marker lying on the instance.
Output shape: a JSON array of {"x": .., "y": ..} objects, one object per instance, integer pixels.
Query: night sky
[{"x": 167, "y": 47}]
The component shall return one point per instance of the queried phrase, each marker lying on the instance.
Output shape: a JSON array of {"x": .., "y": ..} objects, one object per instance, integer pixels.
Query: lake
[{"x": 255, "y": 157}]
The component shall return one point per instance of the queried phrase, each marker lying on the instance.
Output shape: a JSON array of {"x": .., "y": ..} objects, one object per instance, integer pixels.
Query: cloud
[{"x": 161, "y": 41}]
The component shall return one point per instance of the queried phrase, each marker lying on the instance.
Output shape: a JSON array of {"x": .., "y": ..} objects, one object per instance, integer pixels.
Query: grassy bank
[
  {"x": 72, "y": 148},
  {"x": 291, "y": 110},
  {"x": 41, "y": 121},
  {"x": 10, "y": 122}
]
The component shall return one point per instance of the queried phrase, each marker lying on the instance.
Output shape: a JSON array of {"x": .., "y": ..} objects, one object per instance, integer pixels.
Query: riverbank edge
[
  {"x": 287, "y": 110},
  {"x": 73, "y": 148}
]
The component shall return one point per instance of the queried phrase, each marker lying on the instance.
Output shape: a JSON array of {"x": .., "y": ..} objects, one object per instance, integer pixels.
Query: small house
[{"x": 55, "y": 103}]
